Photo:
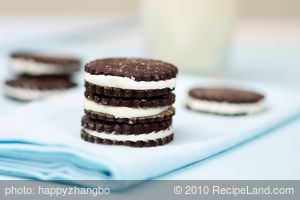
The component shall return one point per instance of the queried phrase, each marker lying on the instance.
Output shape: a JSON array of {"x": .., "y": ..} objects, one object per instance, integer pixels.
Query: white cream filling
[
  {"x": 133, "y": 138},
  {"x": 128, "y": 83},
  {"x": 123, "y": 112},
  {"x": 29, "y": 94},
  {"x": 32, "y": 67},
  {"x": 224, "y": 107}
]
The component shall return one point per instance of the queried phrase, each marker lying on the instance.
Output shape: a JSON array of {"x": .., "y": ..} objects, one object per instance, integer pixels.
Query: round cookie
[
  {"x": 225, "y": 101},
  {"x": 128, "y": 109},
  {"x": 137, "y": 135},
  {"x": 28, "y": 88},
  {"x": 164, "y": 116},
  {"x": 130, "y": 77},
  {"x": 38, "y": 65}
]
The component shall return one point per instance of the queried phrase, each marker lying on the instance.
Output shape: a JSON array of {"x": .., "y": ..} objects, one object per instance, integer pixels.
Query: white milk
[{"x": 194, "y": 34}]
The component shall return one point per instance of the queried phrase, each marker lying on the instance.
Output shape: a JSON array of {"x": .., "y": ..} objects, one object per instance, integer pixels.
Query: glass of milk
[{"x": 193, "y": 34}]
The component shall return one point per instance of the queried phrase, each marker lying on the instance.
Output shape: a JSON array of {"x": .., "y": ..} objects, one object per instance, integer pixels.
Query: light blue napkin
[{"x": 42, "y": 140}]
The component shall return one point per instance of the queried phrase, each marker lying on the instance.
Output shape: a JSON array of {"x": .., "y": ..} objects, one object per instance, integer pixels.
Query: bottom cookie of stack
[{"x": 136, "y": 135}]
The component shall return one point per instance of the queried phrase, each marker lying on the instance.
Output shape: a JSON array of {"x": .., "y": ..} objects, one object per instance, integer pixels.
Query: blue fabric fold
[{"x": 46, "y": 144}]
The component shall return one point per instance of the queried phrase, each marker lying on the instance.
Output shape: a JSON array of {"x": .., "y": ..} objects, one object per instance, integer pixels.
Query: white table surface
[{"x": 254, "y": 56}]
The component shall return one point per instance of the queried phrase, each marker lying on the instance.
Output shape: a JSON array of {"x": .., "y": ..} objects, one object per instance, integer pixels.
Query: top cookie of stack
[
  {"x": 129, "y": 101},
  {"x": 128, "y": 77}
]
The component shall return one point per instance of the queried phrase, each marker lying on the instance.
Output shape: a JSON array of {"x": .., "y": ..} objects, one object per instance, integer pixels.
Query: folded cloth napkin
[{"x": 41, "y": 140}]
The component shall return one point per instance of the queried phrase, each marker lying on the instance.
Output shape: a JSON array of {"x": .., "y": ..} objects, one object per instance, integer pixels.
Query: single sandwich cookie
[
  {"x": 130, "y": 77},
  {"x": 164, "y": 116},
  {"x": 137, "y": 135},
  {"x": 123, "y": 128},
  {"x": 225, "y": 101},
  {"x": 37, "y": 65},
  {"x": 28, "y": 88},
  {"x": 127, "y": 108}
]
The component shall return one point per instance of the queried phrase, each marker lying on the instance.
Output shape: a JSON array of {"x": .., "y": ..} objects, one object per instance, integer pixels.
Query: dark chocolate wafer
[
  {"x": 127, "y": 93},
  {"x": 229, "y": 95},
  {"x": 165, "y": 100},
  {"x": 137, "y": 68}
]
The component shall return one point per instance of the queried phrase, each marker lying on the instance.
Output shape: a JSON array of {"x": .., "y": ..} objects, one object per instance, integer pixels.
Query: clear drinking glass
[{"x": 193, "y": 34}]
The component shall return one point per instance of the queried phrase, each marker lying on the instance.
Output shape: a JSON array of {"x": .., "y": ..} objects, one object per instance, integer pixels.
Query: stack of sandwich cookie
[
  {"x": 40, "y": 76},
  {"x": 225, "y": 101},
  {"x": 129, "y": 102}
]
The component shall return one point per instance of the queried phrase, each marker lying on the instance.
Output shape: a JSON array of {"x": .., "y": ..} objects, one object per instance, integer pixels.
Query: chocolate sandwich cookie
[
  {"x": 164, "y": 116},
  {"x": 130, "y": 77},
  {"x": 225, "y": 101},
  {"x": 35, "y": 64},
  {"x": 137, "y": 135},
  {"x": 123, "y": 128},
  {"x": 30, "y": 88},
  {"x": 122, "y": 109}
]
